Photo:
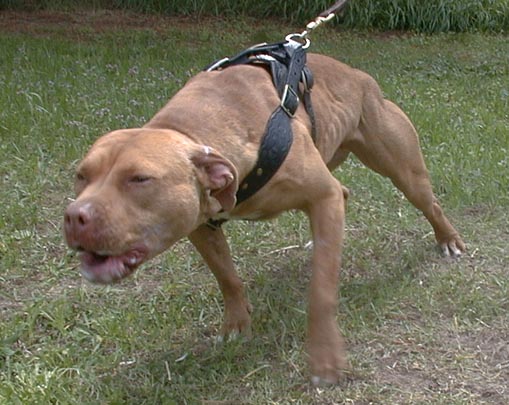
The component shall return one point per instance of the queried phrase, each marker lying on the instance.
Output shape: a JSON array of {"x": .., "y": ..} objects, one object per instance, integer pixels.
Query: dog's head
[{"x": 138, "y": 192}]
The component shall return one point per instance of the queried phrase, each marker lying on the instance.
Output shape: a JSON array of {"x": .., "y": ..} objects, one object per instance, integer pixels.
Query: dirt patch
[
  {"x": 473, "y": 365},
  {"x": 79, "y": 24}
]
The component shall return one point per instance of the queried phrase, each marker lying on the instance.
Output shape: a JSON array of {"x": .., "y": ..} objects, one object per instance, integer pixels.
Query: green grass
[
  {"x": 420, "y": 328},
  {"x": 429, "y": 16}
]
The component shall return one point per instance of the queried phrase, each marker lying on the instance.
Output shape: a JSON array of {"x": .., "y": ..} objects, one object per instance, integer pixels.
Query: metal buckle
[{"x": 288, "y": 90}]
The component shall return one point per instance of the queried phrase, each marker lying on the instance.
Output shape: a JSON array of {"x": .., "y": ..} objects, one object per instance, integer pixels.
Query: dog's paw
[
  {"x": 453, "y": 247},
  {"x": 237, "y": 323},
  {"x": 327, "y": 360},
  {"x": 317, "y": 381},
  {"x": 330, "y": 371},
  {"x": 230, "y": 337}
]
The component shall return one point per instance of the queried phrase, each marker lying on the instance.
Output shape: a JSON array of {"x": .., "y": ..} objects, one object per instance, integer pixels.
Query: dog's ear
[{"x": 217, "y": 175}]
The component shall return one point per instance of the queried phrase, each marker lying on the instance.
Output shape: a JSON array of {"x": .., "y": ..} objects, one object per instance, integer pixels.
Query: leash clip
[
  {"x": 302, "y": 38},
  {"x": 317, "y": 22}
]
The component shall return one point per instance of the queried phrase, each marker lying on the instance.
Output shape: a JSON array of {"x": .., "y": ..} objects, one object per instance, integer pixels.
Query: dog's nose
[
  {"x": 77, "y": 222},
  {"x": 78, "y": 215}
]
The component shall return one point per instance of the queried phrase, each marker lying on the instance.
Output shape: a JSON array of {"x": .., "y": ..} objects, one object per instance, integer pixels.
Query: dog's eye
[
  {"x": 80, "y": 177},
  {"x": 139, "y": 179}
]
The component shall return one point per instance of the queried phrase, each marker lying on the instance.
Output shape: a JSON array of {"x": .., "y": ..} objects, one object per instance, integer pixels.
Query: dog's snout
[{"x": 78, "y": 219}]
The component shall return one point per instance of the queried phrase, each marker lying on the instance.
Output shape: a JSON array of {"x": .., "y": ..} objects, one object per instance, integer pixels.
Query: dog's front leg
[
  {"x": 213, "y": 247},
  {"x": 324, "y": 341}
]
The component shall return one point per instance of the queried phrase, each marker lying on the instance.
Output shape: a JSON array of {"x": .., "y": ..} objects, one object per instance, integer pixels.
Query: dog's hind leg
[
  {"x": 213, "y": 247},
  {"x": 387, "y": 142}
]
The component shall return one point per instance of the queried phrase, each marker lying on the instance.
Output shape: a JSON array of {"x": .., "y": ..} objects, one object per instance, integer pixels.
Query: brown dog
[{"x": 141, "y": 190}]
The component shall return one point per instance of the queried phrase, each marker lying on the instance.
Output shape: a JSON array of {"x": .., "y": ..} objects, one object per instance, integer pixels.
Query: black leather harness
[{"x": 287, "y": 63}]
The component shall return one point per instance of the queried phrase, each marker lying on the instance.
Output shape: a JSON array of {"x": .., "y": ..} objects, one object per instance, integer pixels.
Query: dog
[{"x": 141, "y": 190}]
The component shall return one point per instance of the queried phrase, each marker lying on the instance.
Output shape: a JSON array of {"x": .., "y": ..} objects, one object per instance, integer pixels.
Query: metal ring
[{"x": 302, "y": 37}]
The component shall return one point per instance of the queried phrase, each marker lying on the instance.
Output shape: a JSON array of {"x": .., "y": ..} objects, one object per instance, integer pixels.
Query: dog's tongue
[{"x": 108, "y": 269}]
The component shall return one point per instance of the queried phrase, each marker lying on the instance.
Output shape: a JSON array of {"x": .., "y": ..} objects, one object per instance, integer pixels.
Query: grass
[
  {"x": 430, "y": 16},
  {"x": 420, "y": 328}
]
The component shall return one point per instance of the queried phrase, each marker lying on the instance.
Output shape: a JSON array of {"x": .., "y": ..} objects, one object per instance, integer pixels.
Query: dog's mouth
[{"x": 104, "y": 268}]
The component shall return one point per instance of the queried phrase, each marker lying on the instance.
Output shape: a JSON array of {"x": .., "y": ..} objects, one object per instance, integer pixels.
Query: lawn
[{"x": 420, "y": 328}]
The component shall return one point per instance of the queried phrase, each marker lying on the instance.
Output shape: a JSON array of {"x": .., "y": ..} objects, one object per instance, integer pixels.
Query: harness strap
[
  {"x": 273, "y": 151},
  {"x": 244, "y": 57}
]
